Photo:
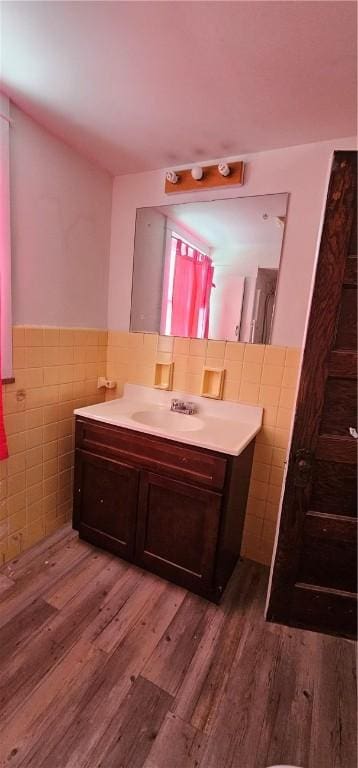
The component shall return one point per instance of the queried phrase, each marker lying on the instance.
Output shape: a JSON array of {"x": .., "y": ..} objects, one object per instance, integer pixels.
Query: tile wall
[
  {"x": 56, "y": 370},
  {"x": 255, "y": 374}
]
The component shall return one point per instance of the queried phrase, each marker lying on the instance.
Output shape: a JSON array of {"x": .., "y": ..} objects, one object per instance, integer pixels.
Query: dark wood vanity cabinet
[
  {"x": 177, "y": 530},
  {"x": 173, "y": 509},
  {"x": 106, "y": 502}
]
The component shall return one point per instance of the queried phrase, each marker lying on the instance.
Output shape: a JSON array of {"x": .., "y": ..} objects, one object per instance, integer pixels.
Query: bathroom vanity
[{"x": 163, "y": 490}]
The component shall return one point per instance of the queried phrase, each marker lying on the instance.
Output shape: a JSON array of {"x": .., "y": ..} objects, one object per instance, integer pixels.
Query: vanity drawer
[{"x": 154, "y": 453}]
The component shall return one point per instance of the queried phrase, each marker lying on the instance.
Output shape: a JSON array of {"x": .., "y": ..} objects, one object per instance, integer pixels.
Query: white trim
[{"x": 5, "y": 244}]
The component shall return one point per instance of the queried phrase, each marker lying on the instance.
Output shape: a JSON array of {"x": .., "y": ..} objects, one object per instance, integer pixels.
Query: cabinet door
[
  {"x": 105, "y": 507},
  {"x": 177, "y": 531}
]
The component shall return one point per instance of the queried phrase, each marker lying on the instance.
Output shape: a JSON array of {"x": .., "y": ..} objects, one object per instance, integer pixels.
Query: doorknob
[
  {"x": 353, "y": 432},
  {"x": 303, "y": 468}
]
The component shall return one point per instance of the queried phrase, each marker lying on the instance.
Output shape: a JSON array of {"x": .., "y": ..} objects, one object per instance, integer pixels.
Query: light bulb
[
  {"x": 197, "y": 172},
  {"x": 224, "y": 169},
  {"x": 172, "y": 177}
]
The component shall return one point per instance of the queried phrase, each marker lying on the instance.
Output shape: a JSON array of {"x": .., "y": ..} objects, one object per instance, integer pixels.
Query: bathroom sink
[
  {"x": 215, "y": 425},
  {"x": 168, "y": 420}
]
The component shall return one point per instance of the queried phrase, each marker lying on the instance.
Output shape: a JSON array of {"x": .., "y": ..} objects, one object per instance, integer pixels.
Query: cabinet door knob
[{"x": 101, "y": 501}]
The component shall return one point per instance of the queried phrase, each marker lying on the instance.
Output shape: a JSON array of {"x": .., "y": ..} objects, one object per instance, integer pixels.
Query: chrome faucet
[{"x": 180, "y": 406}]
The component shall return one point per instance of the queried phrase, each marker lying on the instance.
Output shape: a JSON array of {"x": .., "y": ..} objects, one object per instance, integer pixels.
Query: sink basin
[
  {"x": 218, "y": 426},
  {"x": 168, "y": 420}
]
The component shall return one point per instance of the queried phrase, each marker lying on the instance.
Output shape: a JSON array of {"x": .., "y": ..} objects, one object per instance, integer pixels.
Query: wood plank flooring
[{"x": 106, "y": 666}]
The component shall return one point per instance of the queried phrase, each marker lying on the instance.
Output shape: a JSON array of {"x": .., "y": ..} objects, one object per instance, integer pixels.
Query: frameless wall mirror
[{"x": 208, "y": 269}]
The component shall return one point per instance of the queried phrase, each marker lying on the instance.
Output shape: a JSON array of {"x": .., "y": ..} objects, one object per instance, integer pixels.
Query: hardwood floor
[{"x": 107, "y": 666}]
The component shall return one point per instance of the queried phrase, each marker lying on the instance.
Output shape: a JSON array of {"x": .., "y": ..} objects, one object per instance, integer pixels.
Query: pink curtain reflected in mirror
[{"x": 188, "y": 294}]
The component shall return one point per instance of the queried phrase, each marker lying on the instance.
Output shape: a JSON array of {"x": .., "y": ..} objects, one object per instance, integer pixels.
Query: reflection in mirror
[{"x": 208, "y": 269}]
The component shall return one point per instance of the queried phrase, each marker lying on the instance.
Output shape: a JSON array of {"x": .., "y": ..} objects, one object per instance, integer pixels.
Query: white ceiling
[
  {"x": 143, "y": 85},
  {"x": 230, "y": 224}
]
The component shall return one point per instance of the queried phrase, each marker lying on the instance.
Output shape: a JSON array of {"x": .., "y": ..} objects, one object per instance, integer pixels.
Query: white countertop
[{"x": 217, "y": 425}]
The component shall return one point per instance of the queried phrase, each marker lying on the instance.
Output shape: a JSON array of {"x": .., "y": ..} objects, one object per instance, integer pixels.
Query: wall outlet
[{"x": 106, "y": 383}]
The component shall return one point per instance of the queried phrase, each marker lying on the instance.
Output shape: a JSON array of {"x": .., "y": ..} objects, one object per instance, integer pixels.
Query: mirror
[{"x": 208, "y": 269}]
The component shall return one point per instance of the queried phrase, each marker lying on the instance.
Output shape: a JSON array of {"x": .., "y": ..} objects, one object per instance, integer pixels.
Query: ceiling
[
  {"x": 232, "y": 223},
  {"x": 141, "y": 85}
]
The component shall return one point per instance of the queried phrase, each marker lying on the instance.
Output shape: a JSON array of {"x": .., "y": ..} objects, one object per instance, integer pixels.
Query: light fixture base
[{"x": 211, "y": 178}]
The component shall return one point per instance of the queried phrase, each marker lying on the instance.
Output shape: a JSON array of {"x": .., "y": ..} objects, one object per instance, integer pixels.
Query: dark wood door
[
  {"x": 314, "y": 576},
  {"x": 106, "y": 494},
  {"x": 177, "y": 531}
]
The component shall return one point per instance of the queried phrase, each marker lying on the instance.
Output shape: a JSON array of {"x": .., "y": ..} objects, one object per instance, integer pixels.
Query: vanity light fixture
[
  {"x": 205, "y": 177},
  {"x": 172, "y": 177},
  {"x": 197, "y": 172},
  {"x": 224, "y": 169}
]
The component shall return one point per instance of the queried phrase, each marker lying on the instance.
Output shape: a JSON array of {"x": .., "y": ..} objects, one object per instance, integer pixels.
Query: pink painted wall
[
  {"x": 60, "y": 226},
  {"x": 302, "y": 171}
]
